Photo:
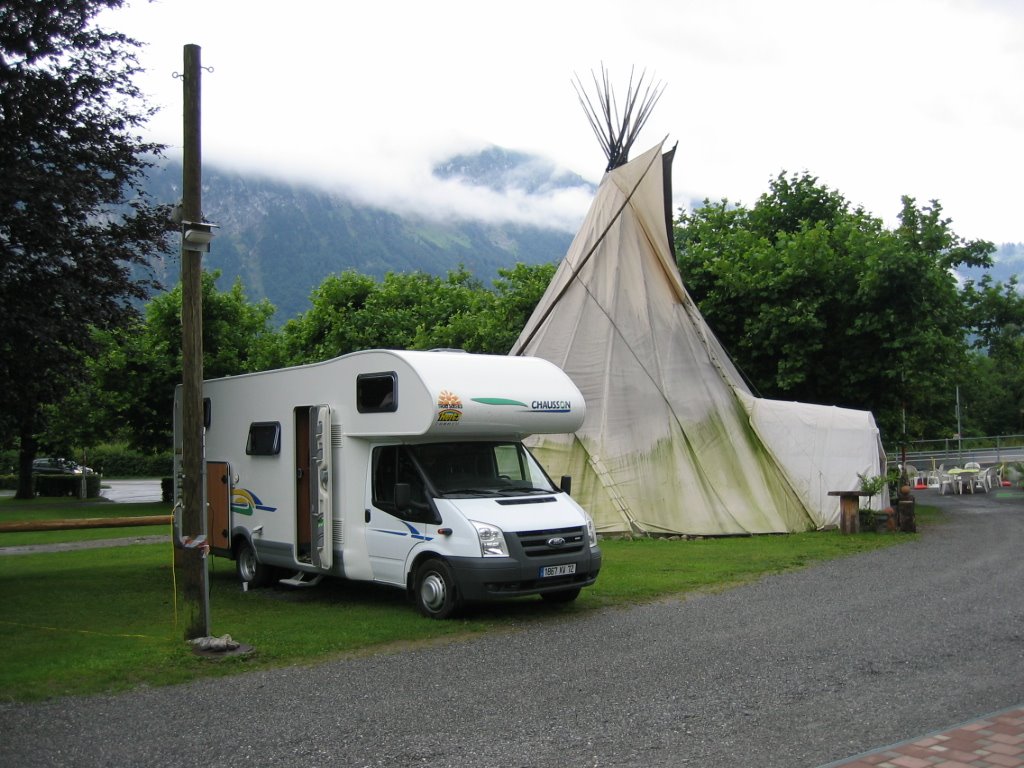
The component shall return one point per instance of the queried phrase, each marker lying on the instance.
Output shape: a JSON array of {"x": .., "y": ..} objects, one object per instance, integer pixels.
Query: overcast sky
[{"x": 877, "y": 98}]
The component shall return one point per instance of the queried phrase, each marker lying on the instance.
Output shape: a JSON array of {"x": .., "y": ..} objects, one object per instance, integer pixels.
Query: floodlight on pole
[{"x": 196, "y": 235}]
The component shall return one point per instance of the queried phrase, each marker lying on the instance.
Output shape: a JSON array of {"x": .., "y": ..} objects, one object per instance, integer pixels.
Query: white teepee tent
[{"x": 673, "y": 441}]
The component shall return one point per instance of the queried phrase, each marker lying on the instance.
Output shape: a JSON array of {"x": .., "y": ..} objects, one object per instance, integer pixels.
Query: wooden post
[{"x": 192, "y": 559}]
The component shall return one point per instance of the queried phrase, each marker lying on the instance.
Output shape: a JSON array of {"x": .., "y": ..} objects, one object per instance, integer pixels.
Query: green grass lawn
[{"x": 109, "y": 619}]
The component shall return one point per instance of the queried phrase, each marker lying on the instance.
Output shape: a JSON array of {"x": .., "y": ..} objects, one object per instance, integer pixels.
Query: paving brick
[
  {"x": 1009, "y": 738},
  {"x": 907, "y": 761},
  {"x": 960, "y": 755},
  {"x": 1008, "y": 761},
  {"x": 1004, "y": 749}
]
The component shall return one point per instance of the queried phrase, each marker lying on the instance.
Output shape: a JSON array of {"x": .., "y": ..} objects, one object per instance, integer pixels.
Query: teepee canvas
[
  {"x": 673, "y": 440},
  {"x": 666, "y": 446}
]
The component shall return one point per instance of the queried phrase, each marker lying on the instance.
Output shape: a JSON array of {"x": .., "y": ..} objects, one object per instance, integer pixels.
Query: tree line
[{"x": 816, "y": 299}]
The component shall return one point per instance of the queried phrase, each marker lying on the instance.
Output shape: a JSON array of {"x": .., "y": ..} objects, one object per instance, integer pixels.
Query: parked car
[{"x": 53, "y": 466}]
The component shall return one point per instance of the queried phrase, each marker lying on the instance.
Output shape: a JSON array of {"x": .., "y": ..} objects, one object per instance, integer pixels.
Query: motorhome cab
[{"x": 399, "y": 467}]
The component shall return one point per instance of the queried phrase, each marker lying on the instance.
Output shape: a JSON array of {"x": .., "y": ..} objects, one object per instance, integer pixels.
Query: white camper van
[{"x": 398, "y": 467}]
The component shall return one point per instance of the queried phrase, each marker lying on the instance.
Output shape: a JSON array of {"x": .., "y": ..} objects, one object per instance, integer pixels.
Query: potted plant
[
  {"x": 867, "y": 519},
  {"x": 871, "y": 486}
]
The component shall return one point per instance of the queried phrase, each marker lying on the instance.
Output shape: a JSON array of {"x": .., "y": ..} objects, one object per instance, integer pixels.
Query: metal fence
[{"x": 954, "y": 451}]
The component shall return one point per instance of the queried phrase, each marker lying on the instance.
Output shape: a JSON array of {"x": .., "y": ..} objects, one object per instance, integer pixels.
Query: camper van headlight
[
  {"x": 492, "y": 540},
  {"x": 591, "y": 531}
]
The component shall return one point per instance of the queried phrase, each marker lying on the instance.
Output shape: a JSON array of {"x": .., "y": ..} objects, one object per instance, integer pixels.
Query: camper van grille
[
  {"x": 545, "y": 543},
  {"x": 336, "y": 434}
]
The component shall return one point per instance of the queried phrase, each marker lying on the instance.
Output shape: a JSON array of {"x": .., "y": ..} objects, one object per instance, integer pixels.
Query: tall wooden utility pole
[{"x": 193, "y": 524}]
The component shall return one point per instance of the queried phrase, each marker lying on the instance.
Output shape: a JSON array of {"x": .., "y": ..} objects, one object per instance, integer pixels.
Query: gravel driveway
[{"x": 795, "y": 671}]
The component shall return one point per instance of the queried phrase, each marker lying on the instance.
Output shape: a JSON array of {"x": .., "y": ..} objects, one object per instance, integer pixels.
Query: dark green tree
[
  {"x": 130, "y": 393},
  {"x": 517, "y": 291},
  {"x": 818, "y": 301},
  {"x": 73, "y": 215}
]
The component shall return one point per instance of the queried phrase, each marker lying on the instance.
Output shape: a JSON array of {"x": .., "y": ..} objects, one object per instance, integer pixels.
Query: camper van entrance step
[{"x": 303, "y": 579}]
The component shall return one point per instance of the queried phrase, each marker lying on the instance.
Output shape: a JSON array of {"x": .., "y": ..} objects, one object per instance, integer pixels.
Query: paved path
[
  {"x": 797, "y": 670},
  {"x": 993, "y": 741},
  {"x": 131, "y": 491}
]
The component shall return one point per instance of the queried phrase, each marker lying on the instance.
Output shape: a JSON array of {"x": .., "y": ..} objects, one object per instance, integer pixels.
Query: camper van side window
[
  {"x": 377, "y": 392},
  {"x": 392, "y": 464},
  {"x": 264, "y": 438}
]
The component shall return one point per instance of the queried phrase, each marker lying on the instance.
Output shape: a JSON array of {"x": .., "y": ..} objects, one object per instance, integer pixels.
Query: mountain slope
[{"x": 283, "y": 239}]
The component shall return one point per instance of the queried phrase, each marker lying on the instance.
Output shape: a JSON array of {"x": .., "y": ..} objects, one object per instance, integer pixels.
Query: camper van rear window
[
  {"x": 377, "y": 392},
  {"x": 264, "y": 438}
]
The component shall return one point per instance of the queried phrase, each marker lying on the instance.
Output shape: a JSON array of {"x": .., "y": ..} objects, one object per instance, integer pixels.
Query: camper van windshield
[{"x": 481, "y": 468}]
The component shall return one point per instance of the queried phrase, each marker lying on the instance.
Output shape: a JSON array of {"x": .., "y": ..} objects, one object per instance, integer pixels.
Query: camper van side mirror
[
  {"x": 403, "y": 497},
  {"x": 566, "y": 485}
]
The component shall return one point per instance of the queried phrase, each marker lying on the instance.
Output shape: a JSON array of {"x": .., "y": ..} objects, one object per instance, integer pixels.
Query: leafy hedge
[
  {"x": 119, "y": 461},
  {"x": 107, "y": 460}
]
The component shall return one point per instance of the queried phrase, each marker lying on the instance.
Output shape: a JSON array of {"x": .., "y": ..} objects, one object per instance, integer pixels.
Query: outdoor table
[
  {"x": 849, "y": 509},
  {"x": 956, "y": 472}
]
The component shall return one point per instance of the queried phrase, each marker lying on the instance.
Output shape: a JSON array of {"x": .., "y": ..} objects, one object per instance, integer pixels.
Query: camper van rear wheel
[
  {"x": 435, "y": 591},
  {"x": 250, "y": 569}
]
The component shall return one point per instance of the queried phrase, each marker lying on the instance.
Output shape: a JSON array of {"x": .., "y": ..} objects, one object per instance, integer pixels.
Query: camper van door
[{"x": 392, "y": 533}]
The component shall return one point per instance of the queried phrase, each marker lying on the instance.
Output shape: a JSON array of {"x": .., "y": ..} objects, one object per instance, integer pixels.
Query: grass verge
[{"x": 110, "y": 619}]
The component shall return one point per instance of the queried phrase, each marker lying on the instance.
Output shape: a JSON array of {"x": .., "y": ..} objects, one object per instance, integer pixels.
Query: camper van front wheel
[
  {"x": 435, "y": 591},
  {"x": 250, "y": 569}
]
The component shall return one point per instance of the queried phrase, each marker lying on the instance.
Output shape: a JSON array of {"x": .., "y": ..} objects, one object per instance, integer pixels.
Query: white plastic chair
[
  {"x": 946, "y": 482},
  {"x": 911, "y": 472},
  {"x": 988, "y": 478}
]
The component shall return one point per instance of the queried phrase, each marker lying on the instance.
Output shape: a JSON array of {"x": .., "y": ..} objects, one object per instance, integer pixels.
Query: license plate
[{"x": 557, "y": 570}]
